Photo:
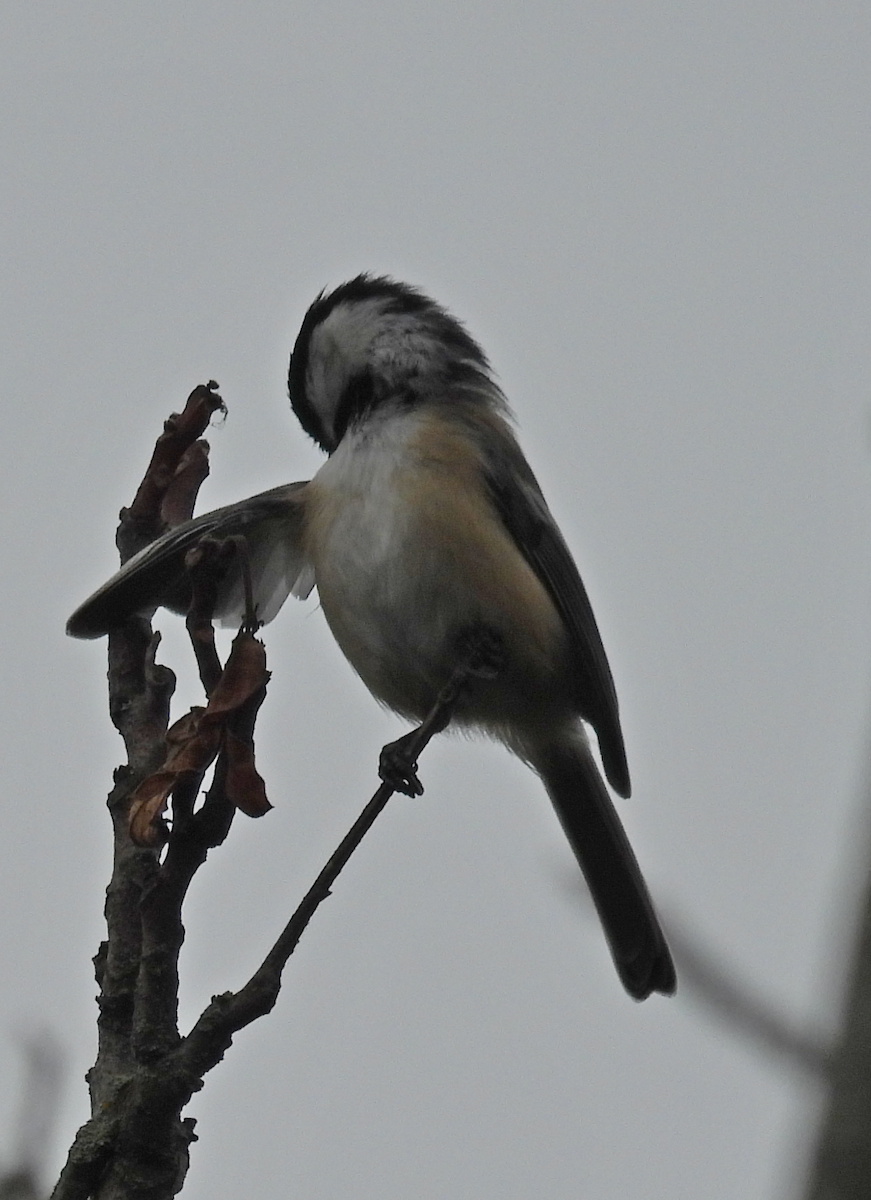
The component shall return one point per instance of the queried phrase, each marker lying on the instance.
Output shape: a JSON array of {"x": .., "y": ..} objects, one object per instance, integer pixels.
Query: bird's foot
[
  {"x": 397, "y": 765},
  {"x": 480, "y": 654}
]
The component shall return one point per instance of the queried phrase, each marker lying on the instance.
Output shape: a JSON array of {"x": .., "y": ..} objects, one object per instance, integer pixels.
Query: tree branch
[
  {"x": 841, "y": 1169},
  {"x": 139, "y": 696},
  {"x": 168, "y": 491},
  {"x": 135, "y": 1145},
  {"x": 747, "y": 1013}
]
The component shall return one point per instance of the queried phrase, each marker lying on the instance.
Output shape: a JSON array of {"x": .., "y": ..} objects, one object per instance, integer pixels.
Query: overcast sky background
[{"x": 655, "y": 218}]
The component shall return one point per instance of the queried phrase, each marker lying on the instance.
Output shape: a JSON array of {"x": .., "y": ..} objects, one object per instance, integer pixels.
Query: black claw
[
  {"x": 480, "y": 653},
  {"x": 398, "y": 770}
]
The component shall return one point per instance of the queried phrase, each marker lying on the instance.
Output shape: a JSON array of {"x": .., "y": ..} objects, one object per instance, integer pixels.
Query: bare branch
[
  {"x": 213, "y": 1033},
  {"x": 227, "y": 1014},
  {"x": 136, "y": 1144},
  {"x": 206, "y": 565},
  {"x": 139, "y": 696},
  {"x": 841, "y": 1169},
  {"x": 747, "y": 1014}
]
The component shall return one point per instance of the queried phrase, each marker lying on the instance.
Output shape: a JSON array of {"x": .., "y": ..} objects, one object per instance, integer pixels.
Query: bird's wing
[
  {"x": 524, "y": 512},
  {"x": 270, "y": 522}
]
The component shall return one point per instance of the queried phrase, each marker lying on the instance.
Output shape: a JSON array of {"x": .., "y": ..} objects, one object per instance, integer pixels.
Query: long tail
[{"x": 610, "y": 868}]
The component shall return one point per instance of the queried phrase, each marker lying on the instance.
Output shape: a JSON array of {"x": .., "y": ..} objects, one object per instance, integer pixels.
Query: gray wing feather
[
  {"x": 156, "y": 576},
  {"x": 521, "y": 506}
]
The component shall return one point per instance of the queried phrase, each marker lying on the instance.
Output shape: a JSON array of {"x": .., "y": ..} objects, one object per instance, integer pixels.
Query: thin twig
[
  {"x": 206, "y": 566},
  {"x": 212, "y": 1034},
  {"x": 227, "y": 1014},
  {"x": 841, "y": 1167},
  {"x": 155, "y": 1027}
]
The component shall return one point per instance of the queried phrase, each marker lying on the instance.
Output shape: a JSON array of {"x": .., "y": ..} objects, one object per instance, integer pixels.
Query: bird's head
[{"x": 373, "y": 342}]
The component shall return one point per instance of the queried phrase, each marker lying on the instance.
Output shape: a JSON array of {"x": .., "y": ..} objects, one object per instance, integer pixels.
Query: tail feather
[{"x": 610, "y": 868}]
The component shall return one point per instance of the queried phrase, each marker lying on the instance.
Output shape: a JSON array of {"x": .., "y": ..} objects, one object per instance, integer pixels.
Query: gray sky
[{"x": 655, "y": 218}]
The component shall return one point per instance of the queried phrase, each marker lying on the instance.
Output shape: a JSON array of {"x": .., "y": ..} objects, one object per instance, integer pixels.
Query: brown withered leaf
[
  {"x": 244, "y": 786},
  {"x": 147, "y": 829},
  {"x": 243, "y": 676},
  {"x": 193, "y": 743},
  {"x": 180, "y": 497},
  {"x": 190, "y": 750}
]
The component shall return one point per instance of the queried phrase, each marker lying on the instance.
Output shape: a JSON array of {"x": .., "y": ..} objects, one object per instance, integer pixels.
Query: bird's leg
[{"x": 479, "y": 655}]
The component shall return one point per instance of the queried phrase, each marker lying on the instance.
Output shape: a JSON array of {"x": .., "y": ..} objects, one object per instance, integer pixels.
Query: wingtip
[
  {"x": 78, "y": 626},
  {"x": 93, "y": 618}
]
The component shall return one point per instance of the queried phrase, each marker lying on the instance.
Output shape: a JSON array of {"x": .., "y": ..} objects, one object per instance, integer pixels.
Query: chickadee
[{"x": 424, "y": 522}]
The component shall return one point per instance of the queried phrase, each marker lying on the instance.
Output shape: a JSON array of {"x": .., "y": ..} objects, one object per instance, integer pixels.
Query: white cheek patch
[
  {"x": 358, "y": 335},
  {"x": 326, "y": 377},
  {"x": 340, "y": 348}
]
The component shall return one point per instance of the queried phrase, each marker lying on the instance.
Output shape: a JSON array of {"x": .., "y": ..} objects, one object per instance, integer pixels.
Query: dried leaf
[
  {"x": 147, "y": 829},
  {"x": 190, "y": 751},
  {"x": 244, "y": 674},
  {"x": 181, "y": 495},
  {"x": 194, "y": 740},
  {"x": 244, "y": 786}
]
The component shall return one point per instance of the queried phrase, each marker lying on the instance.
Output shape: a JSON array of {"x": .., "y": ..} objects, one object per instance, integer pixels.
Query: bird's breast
[{"x": 408, "y": 551}]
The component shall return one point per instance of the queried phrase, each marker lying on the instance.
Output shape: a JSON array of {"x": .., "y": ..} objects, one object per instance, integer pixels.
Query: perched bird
[{"x": 425, "y": 523}]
